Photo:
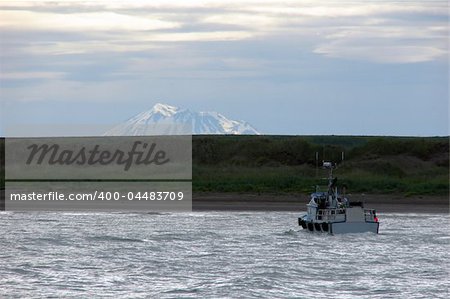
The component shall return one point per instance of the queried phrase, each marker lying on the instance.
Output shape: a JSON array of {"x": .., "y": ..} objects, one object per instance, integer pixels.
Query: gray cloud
[{"x": 285, "y": 59}]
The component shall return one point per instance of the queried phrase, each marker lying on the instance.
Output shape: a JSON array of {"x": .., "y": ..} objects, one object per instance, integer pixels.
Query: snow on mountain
[{"x": 163, "y": 119}]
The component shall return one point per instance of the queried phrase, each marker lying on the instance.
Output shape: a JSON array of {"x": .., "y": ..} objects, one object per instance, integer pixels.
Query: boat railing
[
  {"x": 337, "y": 214},
  {"x": 369, "y": 215}
]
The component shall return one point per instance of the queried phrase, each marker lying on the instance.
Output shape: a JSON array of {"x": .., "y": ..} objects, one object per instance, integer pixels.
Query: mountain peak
[
  {"x": 145, "y": 123},
  {"x": 165, "y": 109}
]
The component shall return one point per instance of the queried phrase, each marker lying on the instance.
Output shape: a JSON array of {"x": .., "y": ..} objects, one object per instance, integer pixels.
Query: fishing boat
[{"x": 332, "y": 213}]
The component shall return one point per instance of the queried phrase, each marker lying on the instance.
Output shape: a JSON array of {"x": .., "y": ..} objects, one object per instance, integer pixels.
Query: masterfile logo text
[
  {"x": 141, "y": 153},
  {"x": 97, "y": 158}
]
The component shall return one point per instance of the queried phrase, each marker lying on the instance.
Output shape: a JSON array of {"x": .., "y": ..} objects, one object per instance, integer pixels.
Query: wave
[
  {"x": 114, "y": 239},
  {"x": 290, "y": 232}
]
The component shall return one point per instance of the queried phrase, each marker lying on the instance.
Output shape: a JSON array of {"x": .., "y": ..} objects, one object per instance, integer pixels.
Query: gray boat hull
[{"x": 354, "y": 227}]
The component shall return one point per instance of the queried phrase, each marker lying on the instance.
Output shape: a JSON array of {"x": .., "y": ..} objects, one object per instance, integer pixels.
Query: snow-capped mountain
[{"x": 163, "y": 119}]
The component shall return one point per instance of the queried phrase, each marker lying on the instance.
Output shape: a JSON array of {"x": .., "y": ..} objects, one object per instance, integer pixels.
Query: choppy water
[{"x": 219, "y": 254}]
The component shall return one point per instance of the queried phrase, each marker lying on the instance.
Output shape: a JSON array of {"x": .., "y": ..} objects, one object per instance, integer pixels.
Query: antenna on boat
[
  {"x": 317, "y": 164},
  {"x": 330, "y": 166},
  {"x": 344, "y": 187}
]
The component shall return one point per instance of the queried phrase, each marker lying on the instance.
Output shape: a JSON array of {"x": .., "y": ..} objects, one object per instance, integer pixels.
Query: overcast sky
[{"x": 301, "y": 67}]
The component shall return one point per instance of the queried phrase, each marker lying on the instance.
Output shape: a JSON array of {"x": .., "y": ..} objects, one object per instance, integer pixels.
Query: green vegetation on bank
[
  {"x": 276, "y": 164},
  {"x": 280, "y": 164}
]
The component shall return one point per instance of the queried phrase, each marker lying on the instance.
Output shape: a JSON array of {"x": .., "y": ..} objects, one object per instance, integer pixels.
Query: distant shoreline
[{"x": 290, "y": 202}]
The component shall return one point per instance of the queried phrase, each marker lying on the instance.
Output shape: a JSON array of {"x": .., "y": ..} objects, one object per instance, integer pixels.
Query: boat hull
[
  {"x": 354, "y": 227},
  {"x": 340, "y": 227}
]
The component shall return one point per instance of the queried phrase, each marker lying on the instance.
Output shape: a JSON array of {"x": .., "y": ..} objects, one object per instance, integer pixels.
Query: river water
[{"x": 217, "y": 255}]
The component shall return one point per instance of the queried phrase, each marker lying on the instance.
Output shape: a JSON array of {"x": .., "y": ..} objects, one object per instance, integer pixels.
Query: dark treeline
[
  {"x": 404, "y": 165},
  {"x": 297, "y": 150}
]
